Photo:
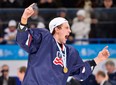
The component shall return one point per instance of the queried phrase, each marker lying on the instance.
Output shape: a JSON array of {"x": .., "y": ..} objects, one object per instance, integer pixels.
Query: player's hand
[
  {"x": 27, "y": 13},
  {"x": 103, "y": 55}
]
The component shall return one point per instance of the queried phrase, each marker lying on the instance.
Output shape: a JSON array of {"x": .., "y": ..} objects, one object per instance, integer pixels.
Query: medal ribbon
[{"x": 63, "y": 56}]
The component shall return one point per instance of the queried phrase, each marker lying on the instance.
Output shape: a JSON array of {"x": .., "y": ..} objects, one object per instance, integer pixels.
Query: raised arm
[
  {"x": 25, "y": 36},
  {"x": 82, "y": 70}
]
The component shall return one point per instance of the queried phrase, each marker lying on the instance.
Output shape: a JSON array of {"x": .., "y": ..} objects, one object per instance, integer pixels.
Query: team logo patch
[{"x": 58, "y": 61}]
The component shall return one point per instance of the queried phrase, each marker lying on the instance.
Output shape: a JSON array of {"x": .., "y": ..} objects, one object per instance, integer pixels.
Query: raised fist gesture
[{"x": 27, "y": 13}]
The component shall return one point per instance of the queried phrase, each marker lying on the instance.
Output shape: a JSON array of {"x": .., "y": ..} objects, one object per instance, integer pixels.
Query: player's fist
[
  {"x": 103, "y": 55},
  {"x": 28, "y": 11}
]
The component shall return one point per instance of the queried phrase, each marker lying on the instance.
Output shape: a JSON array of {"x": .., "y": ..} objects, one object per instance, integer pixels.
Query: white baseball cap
[
  {"x": 56, "y": 22},
  {"x": 81, "y": 12},
  {"x": 12, "y": 23}
]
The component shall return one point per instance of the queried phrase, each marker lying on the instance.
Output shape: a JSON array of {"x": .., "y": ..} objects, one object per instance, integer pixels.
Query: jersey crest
[{"x": 58, "y": 60}]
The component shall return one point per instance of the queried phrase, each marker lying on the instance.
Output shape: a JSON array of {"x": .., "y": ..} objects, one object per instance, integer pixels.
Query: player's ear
[{"x": 56, "y": 30}]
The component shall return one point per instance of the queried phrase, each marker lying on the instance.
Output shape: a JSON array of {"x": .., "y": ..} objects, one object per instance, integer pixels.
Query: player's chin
[{"x": 64, "y": 41}]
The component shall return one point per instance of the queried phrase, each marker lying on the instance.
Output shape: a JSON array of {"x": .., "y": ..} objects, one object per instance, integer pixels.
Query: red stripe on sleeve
[{"x": 30, "y": 39}]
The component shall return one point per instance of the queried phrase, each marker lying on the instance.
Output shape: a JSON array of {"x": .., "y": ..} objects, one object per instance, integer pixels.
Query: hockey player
[{"x": 50, "y": 60}]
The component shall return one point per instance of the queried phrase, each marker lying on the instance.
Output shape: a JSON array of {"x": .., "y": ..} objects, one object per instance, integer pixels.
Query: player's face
[{"x": 64, "y": 32}]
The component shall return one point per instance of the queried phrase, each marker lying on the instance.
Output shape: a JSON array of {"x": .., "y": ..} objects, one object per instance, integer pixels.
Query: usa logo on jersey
[{"x": 58, "y": 59}]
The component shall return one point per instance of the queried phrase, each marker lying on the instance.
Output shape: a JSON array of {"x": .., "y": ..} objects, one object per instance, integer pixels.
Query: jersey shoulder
[
  {"x": 71, "y": 48},
  {"x": 40, "y": 34},
  {"x": 40, "y": 30}
]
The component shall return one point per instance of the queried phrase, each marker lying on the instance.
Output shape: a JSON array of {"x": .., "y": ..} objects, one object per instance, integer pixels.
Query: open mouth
[{"x": 66, "y": 37}]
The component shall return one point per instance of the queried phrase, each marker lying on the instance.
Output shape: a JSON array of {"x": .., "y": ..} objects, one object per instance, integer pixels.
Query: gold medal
[{"x": 65, "y": 69}]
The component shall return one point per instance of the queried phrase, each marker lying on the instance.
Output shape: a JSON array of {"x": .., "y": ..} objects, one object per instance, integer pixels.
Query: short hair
[
  {"x": 101, "y": 73},
  {"x": 110, "y": 62},
  {"x": 22, "y": 69},
  {"x": 59, "y": 26}
]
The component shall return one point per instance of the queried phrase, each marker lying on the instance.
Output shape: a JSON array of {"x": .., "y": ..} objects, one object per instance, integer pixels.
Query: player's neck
[
  {"x": 58, "y": 41},
  {"x": 56, "y": 37}
]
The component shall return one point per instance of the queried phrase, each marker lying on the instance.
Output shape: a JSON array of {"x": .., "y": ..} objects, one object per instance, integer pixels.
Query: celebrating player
[{"x": 50, "y": 60}]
